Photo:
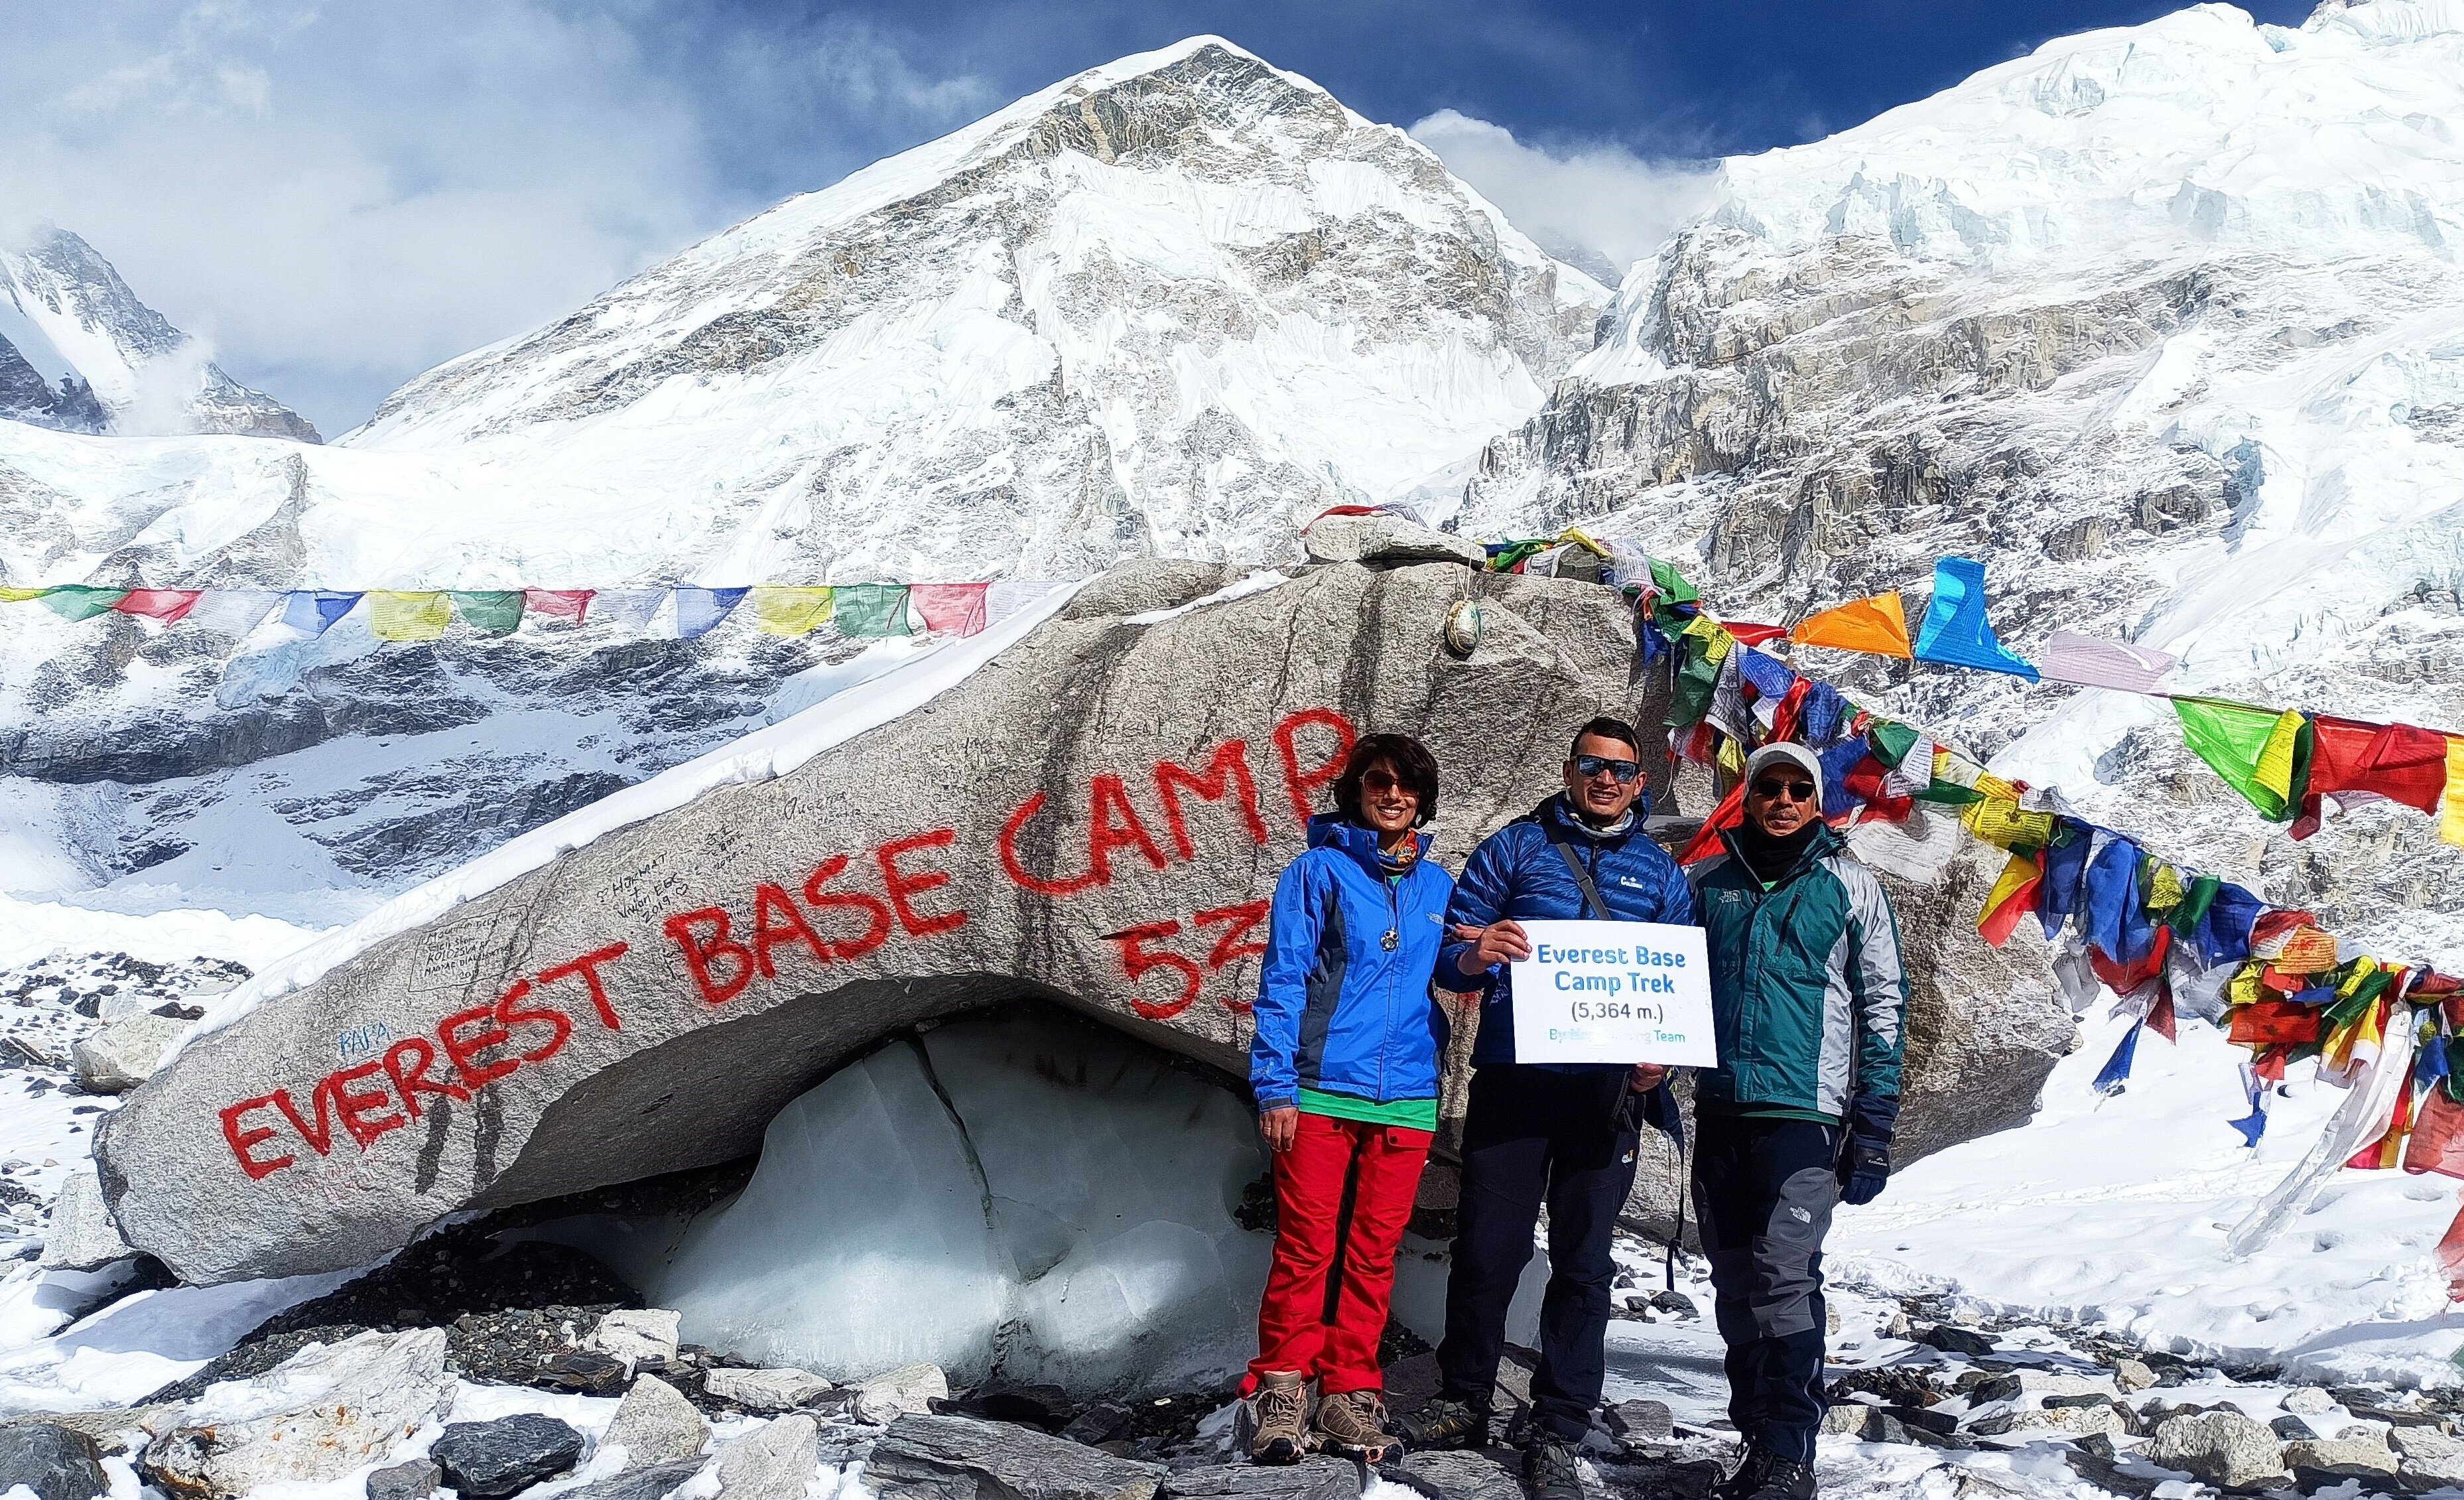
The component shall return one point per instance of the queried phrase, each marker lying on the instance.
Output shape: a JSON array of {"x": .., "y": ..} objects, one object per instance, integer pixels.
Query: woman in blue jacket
[{"x": 1345, "y": 1068}]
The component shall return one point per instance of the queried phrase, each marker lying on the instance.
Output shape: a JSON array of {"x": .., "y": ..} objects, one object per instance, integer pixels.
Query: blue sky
[{"x": 338, "y": 195}]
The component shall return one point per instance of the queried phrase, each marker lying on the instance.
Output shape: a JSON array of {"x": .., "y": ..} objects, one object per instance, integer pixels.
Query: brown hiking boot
[
  {"x": 1278, "y": 1419},
  {"x": 1355, "y": 1423}
]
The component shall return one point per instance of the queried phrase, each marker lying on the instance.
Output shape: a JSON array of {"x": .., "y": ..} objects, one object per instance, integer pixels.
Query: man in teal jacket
[{"x": 1808, "y": 1004}]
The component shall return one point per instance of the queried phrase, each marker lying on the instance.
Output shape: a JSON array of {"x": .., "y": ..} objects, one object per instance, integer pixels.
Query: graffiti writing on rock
[{"x": 1238, "y": 937}]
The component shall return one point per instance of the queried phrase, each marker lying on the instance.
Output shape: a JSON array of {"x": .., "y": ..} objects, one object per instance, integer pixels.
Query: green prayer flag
[
  {"x": 2253, "y": 749},
  {"x": 2365, "y": 995},
  {"x": 873, "y": 609},
  {"x": 1689, "y": 697},
  {"x": 1948, "y": 793},
  {"x": 1891, "y": 741},
  {"x": 2196, "y": 902},
  {"x": 492, "y": 611},
  {"x": 1672, "y": 584},
  {"x": 78, "y": 601}
]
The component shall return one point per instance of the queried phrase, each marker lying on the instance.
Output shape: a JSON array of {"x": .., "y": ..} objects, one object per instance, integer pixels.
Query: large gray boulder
[
  {"x": 313, "y": 1418},
  {"x": 1097, "y": 816}
]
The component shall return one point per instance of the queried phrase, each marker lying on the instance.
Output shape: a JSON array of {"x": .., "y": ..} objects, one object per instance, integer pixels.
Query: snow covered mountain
[
  {"x": 2165, "y": 324},
  {"x": 79, "y": 353},
  {"x": 1177, "y": 304}
]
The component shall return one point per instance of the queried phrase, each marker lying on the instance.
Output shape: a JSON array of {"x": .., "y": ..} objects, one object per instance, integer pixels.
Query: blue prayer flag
[
  {"x": 1955, "y": 629},
  {"x": 312, "y": 611},
  {"x": 698, "y": 610},
  {"x": 2116, "y": 1068}
]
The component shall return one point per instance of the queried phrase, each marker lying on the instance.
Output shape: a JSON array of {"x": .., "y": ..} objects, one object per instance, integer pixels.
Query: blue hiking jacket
[
  {"x": 1338, "y": 1012},
  {"x": 1516, "y": 873}
]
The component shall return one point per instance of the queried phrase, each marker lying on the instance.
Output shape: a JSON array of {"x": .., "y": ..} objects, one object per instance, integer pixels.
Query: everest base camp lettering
[
  {"x": 1614, "y": 992},
  {"x": 845, "y": 907}
]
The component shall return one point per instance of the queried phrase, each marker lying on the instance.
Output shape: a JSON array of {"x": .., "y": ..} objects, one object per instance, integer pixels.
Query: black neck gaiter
[{"x": 1770, "y": 856}]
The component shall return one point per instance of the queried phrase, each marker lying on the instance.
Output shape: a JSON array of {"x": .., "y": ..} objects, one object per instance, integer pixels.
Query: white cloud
[
  {"x": 338, "y": 197},
  {"x": 1599, "y": 199}
]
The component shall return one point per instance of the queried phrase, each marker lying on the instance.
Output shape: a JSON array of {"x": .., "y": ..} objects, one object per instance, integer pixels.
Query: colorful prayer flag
[
  {"x": 12, "y": 595},
  {"x": 233, "y": 611},
  {"x": 1956, "y": 631},
  {"x": 2088, "y": 661},
  {"x": 698, "y": 610},
  {"x": 951, "y": 608},
  {"x": 1877, "y": 626},
  {"x": 2006, "y": 825},
  {"x": 2350, "y": 761},
  {"x": 2012, "y": 897},
  {"x": 312, "y": 611},
  {"x": 490, "y": 611},
  {"x": 397, "y": 614},
  {"x": 166, "y": 604},
  {"x": 1755, "y": 634},
  {"x": 2252, "y": 748},
  {"x": 79, "y": 601},
  {"x": 558, "y": 604},
  {"x": 628, "y": 611},
  {"x": 870, "y": 610},
  {"x": 781, "y": 609},
  {"x": 2450, "y": 803},
  {"x": 2116, "y": 1074}
]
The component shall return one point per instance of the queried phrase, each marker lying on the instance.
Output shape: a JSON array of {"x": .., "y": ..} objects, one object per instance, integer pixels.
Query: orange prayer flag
[{"x": 1878, "y": 626}]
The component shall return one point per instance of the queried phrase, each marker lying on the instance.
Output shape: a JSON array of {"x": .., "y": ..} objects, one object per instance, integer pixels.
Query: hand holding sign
[
  {"x": 1499, "y": 942},
  {"x": 1613, "y": 992}
]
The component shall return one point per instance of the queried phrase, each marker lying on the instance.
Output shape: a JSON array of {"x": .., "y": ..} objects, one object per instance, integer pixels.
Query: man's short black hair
[
  {"x": 1413, "y": 766},
  {"x": 1605, "y": 728}
]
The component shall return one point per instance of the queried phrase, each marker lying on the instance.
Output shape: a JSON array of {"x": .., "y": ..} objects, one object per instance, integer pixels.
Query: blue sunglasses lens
[{"x": 1595, "y": 764}]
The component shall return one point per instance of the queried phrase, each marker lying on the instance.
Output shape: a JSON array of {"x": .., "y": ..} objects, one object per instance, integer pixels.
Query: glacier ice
[{"x": 1025, "y": 1197}]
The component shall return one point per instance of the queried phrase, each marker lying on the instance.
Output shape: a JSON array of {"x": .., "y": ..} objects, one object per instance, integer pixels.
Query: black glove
[{"x": 1863, "y": 1168}]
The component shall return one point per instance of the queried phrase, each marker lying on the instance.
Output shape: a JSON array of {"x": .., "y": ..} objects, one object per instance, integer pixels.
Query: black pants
[
  {"x": 1532, "y": 1135},
  {"x": 1763, "y": 1190}
]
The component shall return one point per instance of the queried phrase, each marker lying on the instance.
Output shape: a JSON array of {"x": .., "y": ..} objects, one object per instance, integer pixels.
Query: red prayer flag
[
  {"x": 2124, "y": 977},
  {"x": 2450, "y": 1257},
  {"x": 558, "y": 604},
  {"x": 1708, "y": 842},
  {"x": 950, "y": 609},
  {"x": 1997, "y": 925},
  {"x": 2350, "y": 760},
  {"x": 166, "y": 604},
  {"x": 2276, "y": 1023},
  {"x": 2437, "y": 1143},
  {"x": 1753, "y": 634},
  {"x": 2388, "y": 1149},
  {"x": 2160, "y": 1017}
]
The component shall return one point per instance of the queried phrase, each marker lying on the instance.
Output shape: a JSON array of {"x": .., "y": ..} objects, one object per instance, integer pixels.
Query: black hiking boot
[
  {"x": 1548, "y": 1471},
  {"x": 1786, "y": 1479},
  {"x": 1447, "y": 1423},
  {"x": 1747, "y": 1478}
]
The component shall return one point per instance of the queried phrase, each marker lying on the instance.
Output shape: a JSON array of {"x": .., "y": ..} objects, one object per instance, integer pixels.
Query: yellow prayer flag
[
  {"x": 2165, "y": 890},
  {"x": 2450, "y": 806},
  {"x": 783, "y": 611},
  {"x": 1731, "y": 760},
  {"x": 1992, "y": 785},
  {"x": 396, "y": 615},
  {"x": 2003, "y": 823},
  {"x": 2275, "y": 760},
  {"x": 1574, "y": 534},
  {"x": 11, "y": 596},
  {"x": 1877, "y": 626},
  {"x": 2242, "y": 990},
  {"x": 2307, "y": 950},
  {"x": 2020, "y": 870}
]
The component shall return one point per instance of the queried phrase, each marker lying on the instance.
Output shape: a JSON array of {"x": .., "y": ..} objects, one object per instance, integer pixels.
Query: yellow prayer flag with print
[
  {"x": 1995, "y": 787},
  {"x": 2450, "y": 806},
  {"x": 1731, "y": 760},
  {"x": 2002, "y": 823},
  {"x": 2275, "y": 761},
  {"x": 399, "y": 615},
  {"x": 2242, "y": 990},
  {"x": 783, "y": 611},
  {"x": 2164, "y": 890}
]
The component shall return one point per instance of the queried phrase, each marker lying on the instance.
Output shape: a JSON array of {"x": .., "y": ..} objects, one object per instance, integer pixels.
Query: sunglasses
[
  {"x": 1589, "y": 765},
  {"x": 1797, "y": 791}
]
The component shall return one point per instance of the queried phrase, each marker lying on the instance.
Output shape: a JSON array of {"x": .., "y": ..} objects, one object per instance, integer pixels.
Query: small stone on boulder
[
  {"x": 655, "y": 1426},
  {"x": 2343, "y": 1457},
  {"x": 52, "y": 1461},
  {"x": 494, "y": 1460},
  {"x": 1640, "y": 1419},
  {"x": 82, "y": 1236},
  {"x": 124, "y": 1054},
  {"x": 1319, "y": 1478},
  {"x": 2308, "y": 1400},
  {"x": 2132, "y": 1375},
  {"x": 315, "y": 1417},
  {"x": 2223, "y": 1448},
  {"x": 766, "y": 1390},
  {"x": 774, "y": 1461},
  {"x": 1386, "y": 538},
  {"x": 415, "y": 1480},
  {"x": 932, "y": 1456},
  {"x": 908, "y": 1389},
  {"x": 633, "y": 1335}
]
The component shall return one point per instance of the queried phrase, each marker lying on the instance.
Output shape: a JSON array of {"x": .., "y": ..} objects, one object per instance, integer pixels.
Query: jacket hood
[{"x": 1334, "y": 831}]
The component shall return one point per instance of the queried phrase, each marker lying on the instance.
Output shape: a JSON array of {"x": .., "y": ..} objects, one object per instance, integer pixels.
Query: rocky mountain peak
[{"x": 81, "y": 353}]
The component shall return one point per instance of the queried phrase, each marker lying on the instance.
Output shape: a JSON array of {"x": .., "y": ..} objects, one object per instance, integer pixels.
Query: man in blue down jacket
[{"x": 1565, "y": 1134}]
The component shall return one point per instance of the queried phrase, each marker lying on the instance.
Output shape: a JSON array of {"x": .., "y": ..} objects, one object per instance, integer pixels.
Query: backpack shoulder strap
[{"x": 1582, "y": 878}]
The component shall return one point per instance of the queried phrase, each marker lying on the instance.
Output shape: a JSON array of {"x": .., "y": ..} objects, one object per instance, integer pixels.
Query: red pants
[{"x": 1343, "y": 1195}]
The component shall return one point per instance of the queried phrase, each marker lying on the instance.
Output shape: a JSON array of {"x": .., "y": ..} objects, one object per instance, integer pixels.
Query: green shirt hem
[{"x": 1408, "y": 1114}]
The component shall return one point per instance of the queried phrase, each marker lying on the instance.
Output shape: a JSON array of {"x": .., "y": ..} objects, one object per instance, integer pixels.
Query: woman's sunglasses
[{"x": 1593, "y": 764}]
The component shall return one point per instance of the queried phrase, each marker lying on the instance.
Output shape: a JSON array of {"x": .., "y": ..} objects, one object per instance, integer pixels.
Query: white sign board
[{"x": 1614, "y": 992}]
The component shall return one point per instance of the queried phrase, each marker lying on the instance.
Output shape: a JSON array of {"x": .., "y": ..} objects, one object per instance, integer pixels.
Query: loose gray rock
[
  {"x": 956, "y": 1458},
  {"x": 639, "y": 1484},
  {"x": 124, "y": 1054},
  {"x": 1457, "y": 1475},
  {"x": 82, "y": 1236},
  {"x": 492, "y": 1460},
  {"x": 1319, "y": 1478},
  {"x": 656, "y": 1425},
  {"x": 767, "y": 1390},
  {"x": 1640, "y": 1419},
  {"x": 633, "y": 1335},
  {"x": 2308, "y": 1400},
  {"x": 2342, "y": 1456},
  {"x": 1952, "y": 1341},
  {"x": 1386, "y": 538},
  {"x": 2428, "y": 1457},
  {"x": 1870, "y": 1423},
  {"x": 2130, "y": 1376},
  {"x": 897, "y": 1393},
  {"x": 415, "y": 1480},
  {"x": 317, "y": 1416},
  {"x": 52, "y": 1461},
  {"x": 2223, "y": 1448},
  {"x": 772, "y": 1463}
]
